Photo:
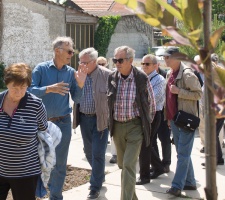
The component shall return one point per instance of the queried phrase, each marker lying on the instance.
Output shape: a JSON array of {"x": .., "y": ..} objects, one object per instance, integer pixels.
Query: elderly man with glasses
[
  {"x": 131, "y": 111},
  {"x": 93, "y": 118},
  {"x": 52, "y": 81},
  {"x": 148, "y": 155},
  {"x": 183, "y": 90}
]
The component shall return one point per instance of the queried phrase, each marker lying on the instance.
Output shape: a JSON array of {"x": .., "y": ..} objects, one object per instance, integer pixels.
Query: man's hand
[
  {"x": 60, "y": 88},
  {"x": 174, "y": 89},
  {"x": 80, "y": 75}
]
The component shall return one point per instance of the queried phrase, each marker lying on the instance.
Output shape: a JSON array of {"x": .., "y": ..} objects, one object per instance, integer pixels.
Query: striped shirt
[
  {"x": 125, "y": 106},
  {"x": 159, "y": 88},
  {"x": 18, "y": 137},
  {"x": 87, "y": 104}
]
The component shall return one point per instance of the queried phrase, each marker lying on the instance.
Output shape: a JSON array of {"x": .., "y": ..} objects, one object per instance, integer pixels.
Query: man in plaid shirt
[{"x": 131, "y": 112}]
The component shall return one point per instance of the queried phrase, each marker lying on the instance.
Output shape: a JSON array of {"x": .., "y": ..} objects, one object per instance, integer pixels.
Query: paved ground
[{"x": 154, "y": 190}]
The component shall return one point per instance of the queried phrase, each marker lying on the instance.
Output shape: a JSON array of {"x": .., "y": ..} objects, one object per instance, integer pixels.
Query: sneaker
[
  {"x": 113, "y": 159},
  {"x": 93, "y": 194}
]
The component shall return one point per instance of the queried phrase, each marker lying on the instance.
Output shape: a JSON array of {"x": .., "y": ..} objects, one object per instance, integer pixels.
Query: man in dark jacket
[{"x": 131, "y": 111}]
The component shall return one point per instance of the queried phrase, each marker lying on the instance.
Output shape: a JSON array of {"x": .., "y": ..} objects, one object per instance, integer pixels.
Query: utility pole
[{"x": 210, "y": 121}]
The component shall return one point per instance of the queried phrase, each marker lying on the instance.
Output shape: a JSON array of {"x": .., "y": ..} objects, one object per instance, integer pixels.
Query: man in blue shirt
[{"x": 52, "y": 81}]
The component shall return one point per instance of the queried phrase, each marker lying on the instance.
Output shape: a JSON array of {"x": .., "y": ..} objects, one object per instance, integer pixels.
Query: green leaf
[
  {"x": 153, "y": 9},
  {"x": 170, "y": 9},
  {"x": 129, "y": 3},
  {"x": 223, "y": 51},
  {"x": 220, "y": 74},
  {"x": 168, "y": 19},
  {"x": 195, "y": 35},
  {"x": 149, "y": 20},
  {"x": 214, "y": 39},
  {"x": 192, "y": 15},
  {"x": 177, "y": 35}
]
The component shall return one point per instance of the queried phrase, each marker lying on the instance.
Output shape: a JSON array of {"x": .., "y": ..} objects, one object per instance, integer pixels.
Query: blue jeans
[
  {"x": 58, "y": 174},
  {"x": 183, "y": 141},
  {"x": 95, "y": 143}
]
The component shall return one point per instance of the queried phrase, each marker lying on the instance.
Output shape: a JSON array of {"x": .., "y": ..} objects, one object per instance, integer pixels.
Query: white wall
[
  {"x": 132, "y": 35},
  {"x": 28, "y": 30}
]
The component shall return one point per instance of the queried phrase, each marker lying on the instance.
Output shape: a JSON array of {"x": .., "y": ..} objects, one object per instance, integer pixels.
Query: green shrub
[{"x": 104, "y": 32}]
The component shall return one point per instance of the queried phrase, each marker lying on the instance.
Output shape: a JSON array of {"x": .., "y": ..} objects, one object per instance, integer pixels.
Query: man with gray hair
[
  {"x": 93, "y": 118},
  {"x": 148, "y": 154},
  {"x": 52, "y": 81},
  {"x": 131, "y": 112}
]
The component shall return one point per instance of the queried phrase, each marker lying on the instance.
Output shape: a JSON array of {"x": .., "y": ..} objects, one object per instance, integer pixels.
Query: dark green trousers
[{"x": 128, "y": 139}]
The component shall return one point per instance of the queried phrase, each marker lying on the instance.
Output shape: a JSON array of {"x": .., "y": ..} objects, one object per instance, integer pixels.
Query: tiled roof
[
  {"x": 94, "y": 5},
  {"x": 103, "y": 7}
]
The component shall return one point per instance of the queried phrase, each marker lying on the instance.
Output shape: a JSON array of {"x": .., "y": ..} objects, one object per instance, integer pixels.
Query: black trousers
[
  {"x": 22, "y": 188},
  {"x": 163, "y": 134},
  {"x": 147, "y": 154}
]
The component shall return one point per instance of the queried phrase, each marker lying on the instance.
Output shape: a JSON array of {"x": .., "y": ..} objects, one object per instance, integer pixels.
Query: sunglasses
[
  {"x": 70, "y": 52},
  {"x": 147, "y": 64},
  {"x": 120, "y": 60}
]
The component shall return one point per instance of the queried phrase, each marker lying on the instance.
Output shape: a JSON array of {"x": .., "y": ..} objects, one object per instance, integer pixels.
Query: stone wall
[
  {"x": 132, "y": 32},
  {"x": 28, "y": 30}
]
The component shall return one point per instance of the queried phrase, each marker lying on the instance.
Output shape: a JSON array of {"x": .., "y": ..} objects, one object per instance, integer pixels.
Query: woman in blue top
[{"x": 21, "y": 116}]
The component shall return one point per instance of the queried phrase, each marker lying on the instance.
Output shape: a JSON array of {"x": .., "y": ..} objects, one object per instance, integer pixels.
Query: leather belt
[
  {"x": 53, "y": 119},
  {"x": 129, "y": 120},
  {"x": 88, "y": 115}
]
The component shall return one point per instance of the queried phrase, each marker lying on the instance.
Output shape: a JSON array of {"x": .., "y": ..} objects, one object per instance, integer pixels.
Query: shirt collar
[
  {"x": 152, "y": 74},
  {"x": 22, "y": 103},
  {"x": 131, "y": 75},
  {"x": 52, "y": 64}
]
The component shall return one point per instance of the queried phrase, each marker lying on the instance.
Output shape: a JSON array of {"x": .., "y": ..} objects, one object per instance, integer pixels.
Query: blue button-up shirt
[
  {"x": 45, "y": 74},
  {"x": 159, "y": 89}
]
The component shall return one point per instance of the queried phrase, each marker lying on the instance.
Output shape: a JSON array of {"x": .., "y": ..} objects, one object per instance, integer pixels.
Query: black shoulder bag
[{"x": 187, "y": 121}]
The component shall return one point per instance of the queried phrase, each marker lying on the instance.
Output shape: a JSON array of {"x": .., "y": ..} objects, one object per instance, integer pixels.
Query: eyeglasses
[
  {"x": 102, "y": 64},
  {"x": 147, "y": 64},
  {"x": 166, "y": 57},
  {"x": 84, "y": 63},
  {"x": 70, "y": 52},
  {"x": 120, "y": 60}
]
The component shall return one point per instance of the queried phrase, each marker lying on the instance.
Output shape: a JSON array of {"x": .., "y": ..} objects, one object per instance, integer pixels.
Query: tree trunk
[{"x": 210, "y": 122}]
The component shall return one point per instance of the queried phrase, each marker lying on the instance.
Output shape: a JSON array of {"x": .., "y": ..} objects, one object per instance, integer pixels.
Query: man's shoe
[
  {"x": 220, "y": 162},
  {"x": 113, "y": 159},
  {"x": 156, "y": 173},
  {"x": 93, "y": 194},
  {"x": 190, "y": 187},
  {"x": 142, "y": 181},
  {"x": 167, "y": 169},
  {"x": 174, "y": 191},
  {"x": 152, "y": 169},
  {"x": 202, "y": 150}
]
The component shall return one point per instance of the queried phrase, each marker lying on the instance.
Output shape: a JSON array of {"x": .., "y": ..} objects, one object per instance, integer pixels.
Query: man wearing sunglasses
[
  {"x": 148, "y": 155},
  {"x": 131, "y": 111},
  {"x": 183, "y": 90},
  {"x": 52, "y": 81},
  {"x": 93, "y": 115}
]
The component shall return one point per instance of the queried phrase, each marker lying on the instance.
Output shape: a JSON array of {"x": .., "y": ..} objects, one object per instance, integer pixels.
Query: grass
[{"x": 2, "y": 90}]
